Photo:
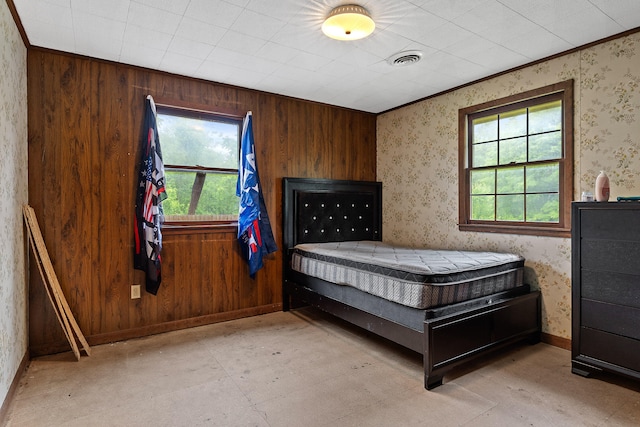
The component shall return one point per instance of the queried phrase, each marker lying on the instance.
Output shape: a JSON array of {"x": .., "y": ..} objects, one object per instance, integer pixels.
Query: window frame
[
  {"x": 564, "y": 90},
  {"x": 197, "y": 114}
]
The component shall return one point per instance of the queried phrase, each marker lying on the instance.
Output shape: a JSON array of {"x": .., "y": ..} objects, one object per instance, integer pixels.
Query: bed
[{"x": 456, "y": 307}]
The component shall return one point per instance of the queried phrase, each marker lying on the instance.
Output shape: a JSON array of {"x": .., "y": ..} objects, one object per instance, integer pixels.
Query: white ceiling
[{"x": 277, "y": 46}]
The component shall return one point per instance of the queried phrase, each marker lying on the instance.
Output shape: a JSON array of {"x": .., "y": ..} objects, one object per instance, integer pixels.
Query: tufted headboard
[{"x": 326, "y": 210}]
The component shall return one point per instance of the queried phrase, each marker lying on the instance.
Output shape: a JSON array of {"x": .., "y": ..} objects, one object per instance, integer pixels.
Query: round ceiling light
[{"x": 348, "y": 22}]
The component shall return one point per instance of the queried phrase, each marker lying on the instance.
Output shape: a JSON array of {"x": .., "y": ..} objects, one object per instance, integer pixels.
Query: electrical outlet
[{"x": 135, "y": 291}]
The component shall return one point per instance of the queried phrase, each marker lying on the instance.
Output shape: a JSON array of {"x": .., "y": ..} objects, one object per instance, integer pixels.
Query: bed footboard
[
  {"x": 449, "y": 337},
  {"x": 460, "y": 337}
]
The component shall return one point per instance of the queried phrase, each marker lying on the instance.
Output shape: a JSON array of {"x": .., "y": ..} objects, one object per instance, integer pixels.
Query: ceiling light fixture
[{"x": 348, "y": 22}]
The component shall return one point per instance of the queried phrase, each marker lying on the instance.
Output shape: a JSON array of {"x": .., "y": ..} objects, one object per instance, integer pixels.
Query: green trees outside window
[
  {"x": 200, "y": 154},
  {"x": 516, "y": 162},
  {"x": 515, "y": 169}
]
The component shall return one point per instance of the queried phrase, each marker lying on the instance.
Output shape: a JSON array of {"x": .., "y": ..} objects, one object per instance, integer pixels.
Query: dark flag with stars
[
  {"x": 254, "y": 228},
  {"x": 150, "y": 194}
]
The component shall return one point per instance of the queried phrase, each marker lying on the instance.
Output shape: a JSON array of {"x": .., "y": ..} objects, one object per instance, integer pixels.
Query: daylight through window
[
  {"x": 200, "y": 154},
  {"x": 516, "y": 170}
]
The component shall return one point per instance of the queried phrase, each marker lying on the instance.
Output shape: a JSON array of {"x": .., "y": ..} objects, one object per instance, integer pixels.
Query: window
[
  {"x": 516, "y": 163},
  {"x": 200, "y": 154}
]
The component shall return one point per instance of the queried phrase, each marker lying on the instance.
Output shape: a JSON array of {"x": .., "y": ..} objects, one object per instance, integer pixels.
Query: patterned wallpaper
[
  {"x": 13, "y": 194},
  {"x": 417, "y": 161}
]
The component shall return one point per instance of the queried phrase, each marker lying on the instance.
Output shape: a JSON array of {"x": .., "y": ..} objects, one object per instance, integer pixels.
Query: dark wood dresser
[{"x": 605, "y": 241}]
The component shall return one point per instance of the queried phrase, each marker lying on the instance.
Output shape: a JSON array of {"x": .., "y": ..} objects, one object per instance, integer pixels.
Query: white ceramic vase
[{"x": 602, "y": 187}]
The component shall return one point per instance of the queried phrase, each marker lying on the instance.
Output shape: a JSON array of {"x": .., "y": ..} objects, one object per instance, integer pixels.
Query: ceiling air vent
[{"x": 402, "y": 59}]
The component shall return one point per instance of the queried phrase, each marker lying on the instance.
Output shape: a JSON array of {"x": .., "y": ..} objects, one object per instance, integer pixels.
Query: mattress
[{"x": 418, "y": 278}]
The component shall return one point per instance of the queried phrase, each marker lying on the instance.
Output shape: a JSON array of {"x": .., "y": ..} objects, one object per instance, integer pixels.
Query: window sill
[
  {"x": 517, "y": 229},
  {"x": 177, "y": 228}
]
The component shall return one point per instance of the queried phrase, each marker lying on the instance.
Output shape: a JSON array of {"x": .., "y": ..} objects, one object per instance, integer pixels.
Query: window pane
[
  {"x": 482, "y": 208},
  {"x": 485, "y": 129},
  {"x": 543, "y": 207},
  {"x": 196, "y": 142},
  {"x": 213, "y": 196},
  {"x": 545, "y": 117},
  {"x": 483, "y": 181},
  {"x": 510, "y": 180},
  {"x": 178, "y": 186},
  {"x": 200, "y": 152},
  {"x": 513, "y": 123},
  {"x": 510, "y": 208},
  {"x": 543, "y": 178},
  {"x": 518, "y": 155},
  {"x": 219, "y": 195},
  {"x": 513, "y": 151},
  {"x": 484, "y": 154},
  {"x": 545, "y": 146}
]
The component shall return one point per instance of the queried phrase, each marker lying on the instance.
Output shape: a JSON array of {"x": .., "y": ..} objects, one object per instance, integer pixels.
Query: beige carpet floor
[{"x": 305, "y": 368}]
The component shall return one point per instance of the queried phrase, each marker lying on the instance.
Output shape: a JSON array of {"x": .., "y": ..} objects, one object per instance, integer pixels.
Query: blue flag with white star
[{"x": 254, "y": 228}]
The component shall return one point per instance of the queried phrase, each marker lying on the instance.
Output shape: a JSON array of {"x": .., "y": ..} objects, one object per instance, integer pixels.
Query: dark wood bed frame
[{"x": 321, "y": 210}]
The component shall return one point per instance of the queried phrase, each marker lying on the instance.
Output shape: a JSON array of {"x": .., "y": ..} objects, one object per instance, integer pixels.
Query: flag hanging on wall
[
  {"x": 254, "y": 228},
  {"x": 150, "y": 194}
]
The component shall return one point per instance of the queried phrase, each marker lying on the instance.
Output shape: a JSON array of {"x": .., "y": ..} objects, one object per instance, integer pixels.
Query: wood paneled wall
[{"x": 85, "y": 126}]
